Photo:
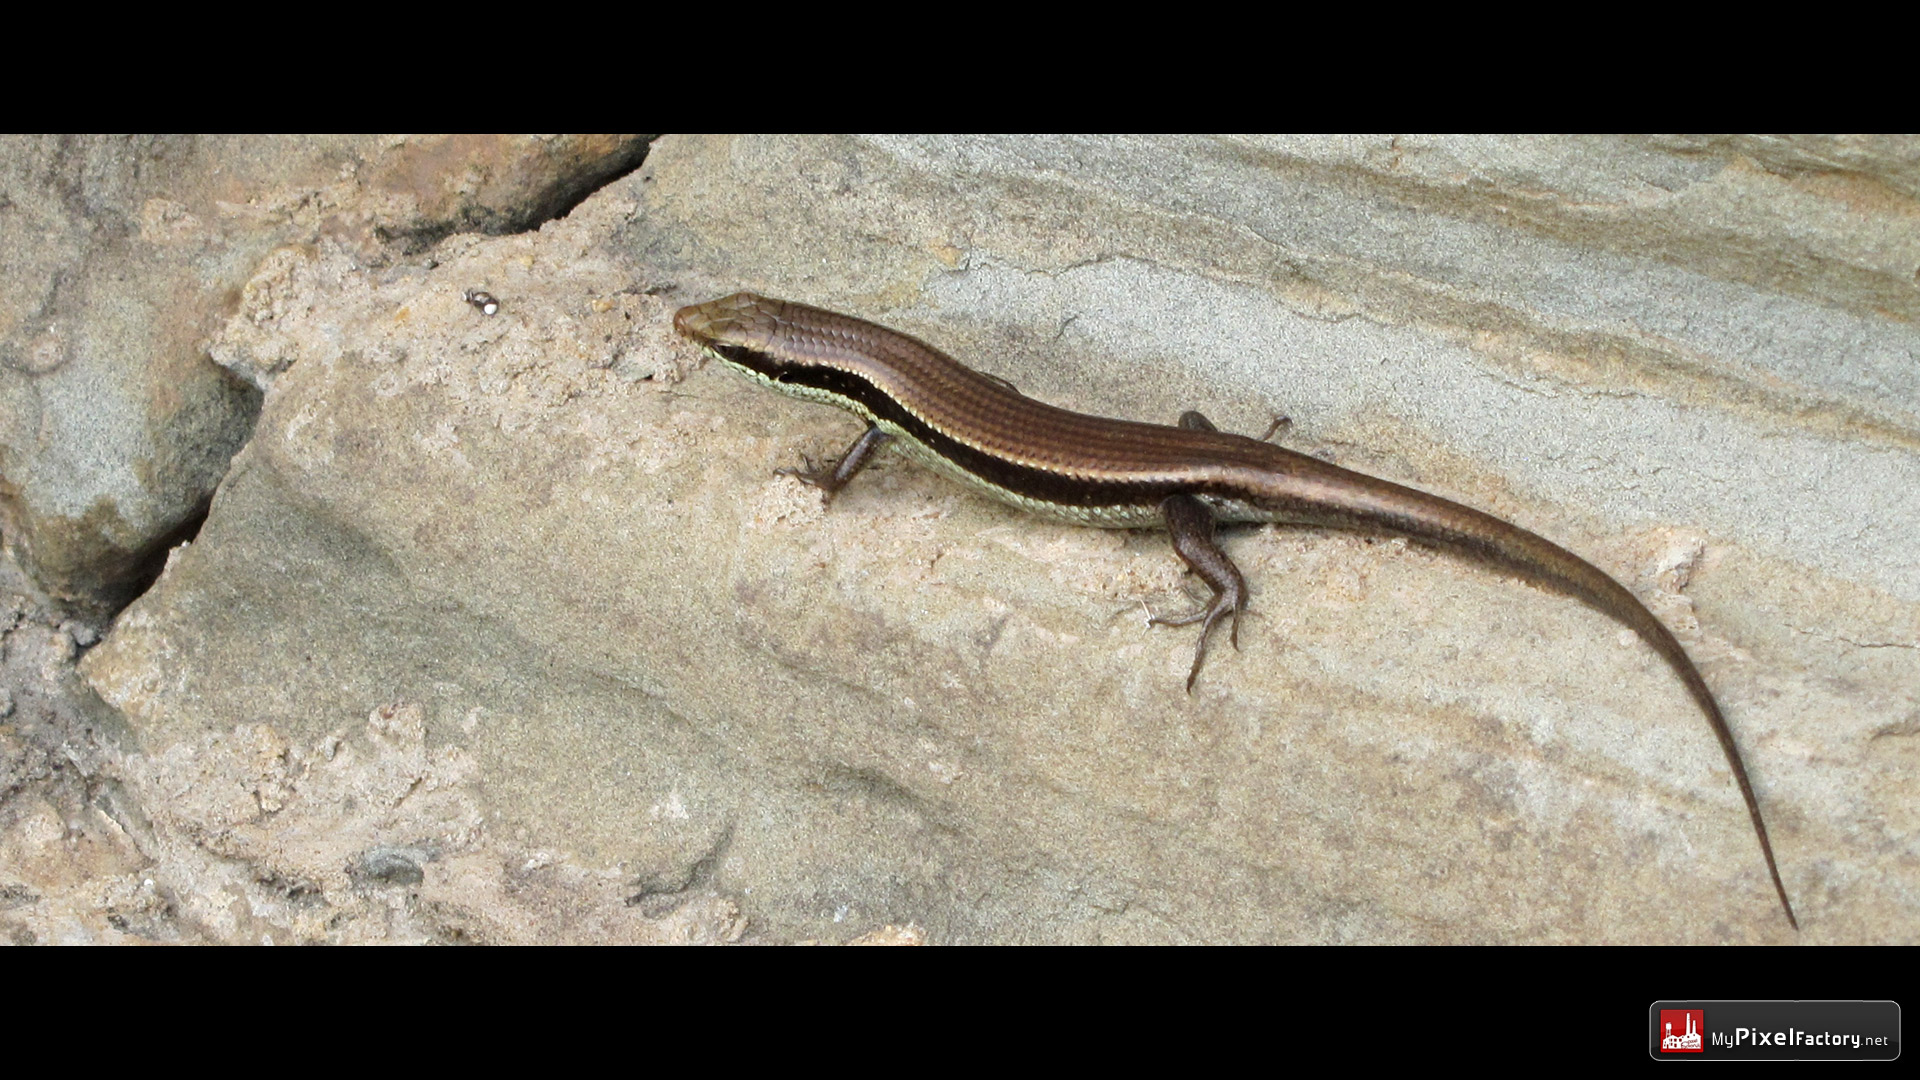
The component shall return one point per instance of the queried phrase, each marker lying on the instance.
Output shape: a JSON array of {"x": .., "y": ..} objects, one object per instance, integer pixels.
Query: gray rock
[
  {"x": 523, "y": 588},
  {"x": 125, "y": 255},
  {"x": 390, "y": 865}
]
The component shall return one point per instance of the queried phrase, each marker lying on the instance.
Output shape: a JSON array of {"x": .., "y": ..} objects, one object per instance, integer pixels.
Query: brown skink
[{"x": 1092, "y": 470}]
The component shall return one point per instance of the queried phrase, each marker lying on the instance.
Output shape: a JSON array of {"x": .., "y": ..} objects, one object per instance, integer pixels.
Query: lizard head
[
  {"x": 742, "y": 320},
  {"x": 744, "y": 330}
]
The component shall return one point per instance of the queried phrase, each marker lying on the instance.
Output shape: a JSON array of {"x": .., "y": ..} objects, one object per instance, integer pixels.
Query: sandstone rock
[
  {"x": 125, "y": 255},
  {"x": 500, "y": 628}
]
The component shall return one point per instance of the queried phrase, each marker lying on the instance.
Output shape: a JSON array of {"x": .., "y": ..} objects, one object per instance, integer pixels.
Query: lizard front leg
[{"x": 831, "y": 478}]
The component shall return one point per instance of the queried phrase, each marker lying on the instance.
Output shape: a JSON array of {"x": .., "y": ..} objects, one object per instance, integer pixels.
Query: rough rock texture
[
  {"x": 125, "y": 254},
  {"x": 500, "y": 628},
  {"x": 70, "y": 870}
]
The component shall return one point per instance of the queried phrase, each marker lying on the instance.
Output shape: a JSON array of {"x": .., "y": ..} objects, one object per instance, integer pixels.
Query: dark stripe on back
[{"x": 1046, "y": 486}]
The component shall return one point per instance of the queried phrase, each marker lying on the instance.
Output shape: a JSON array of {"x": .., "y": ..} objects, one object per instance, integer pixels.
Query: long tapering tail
[
  {"x": 1311, "y": 490},
  {"x": 1553, "y": 566}
]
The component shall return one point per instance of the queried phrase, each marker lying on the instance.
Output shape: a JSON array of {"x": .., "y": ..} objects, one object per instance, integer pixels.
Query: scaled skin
[{"x": 1123, "y": 474}]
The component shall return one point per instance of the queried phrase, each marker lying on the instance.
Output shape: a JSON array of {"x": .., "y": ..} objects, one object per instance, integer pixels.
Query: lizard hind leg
[
  {"x": 1197, "y": 421},
  {"x": 1191, "y": 524}
]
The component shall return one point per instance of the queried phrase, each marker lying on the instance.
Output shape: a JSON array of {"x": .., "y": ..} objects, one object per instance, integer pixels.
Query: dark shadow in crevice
[
  {"x": 144, "y": 567},
  {"x": 123, "y": 580},
  {"x": 556, "y": 201},
  {"x": 564, "y": 197}
]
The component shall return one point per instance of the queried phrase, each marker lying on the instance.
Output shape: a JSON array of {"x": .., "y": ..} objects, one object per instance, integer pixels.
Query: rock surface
[
  {"x": 125, "y": 255},
  {"x": 500, "y": 627}
]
